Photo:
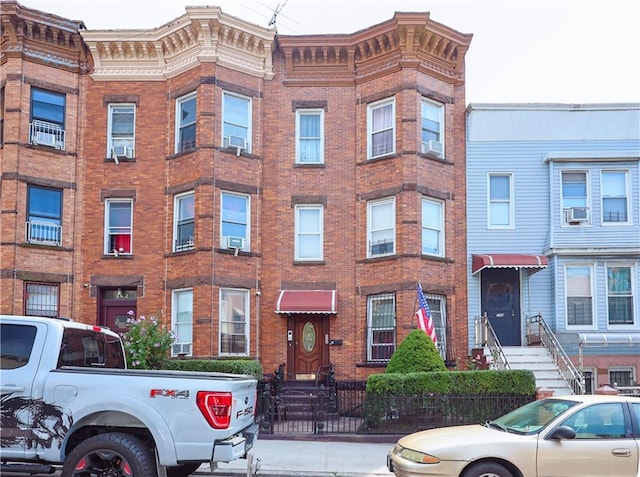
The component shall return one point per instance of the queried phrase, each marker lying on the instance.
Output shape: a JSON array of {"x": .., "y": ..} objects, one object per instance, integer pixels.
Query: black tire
[
  {"x": 112, "y": 454},
  {"x": 487, "y": 469},
  {"x": 184, "y": 470}
]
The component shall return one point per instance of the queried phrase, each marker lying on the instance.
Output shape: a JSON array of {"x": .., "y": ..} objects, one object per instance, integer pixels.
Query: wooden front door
[
  {"x": 501, "y": 302},
  {"x": 309, "y": 348},
  {"x": 115, "y": 306}
]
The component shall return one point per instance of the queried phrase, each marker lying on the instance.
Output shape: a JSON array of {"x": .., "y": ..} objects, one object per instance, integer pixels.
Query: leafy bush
[
  {"x": 416, "y": 353},
  {"x": 147, "y": 343},
  {"x": 231, "y": 366}
]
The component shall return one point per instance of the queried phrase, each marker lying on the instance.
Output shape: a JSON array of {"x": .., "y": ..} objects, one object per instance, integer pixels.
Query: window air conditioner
[
  {"x": 181, "y": 348},
  {"x": 235, "y": 242},
  {"x": 122, "y": 152},
  {"x": 578, "y": 214},
  {"x": 45, "y": 139},
  {"x": 432, "y": 148},
  {"x": 237, "y": 142}
]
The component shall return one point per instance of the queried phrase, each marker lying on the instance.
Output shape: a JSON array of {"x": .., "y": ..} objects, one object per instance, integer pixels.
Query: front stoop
[{"x": 538, "y": 360}]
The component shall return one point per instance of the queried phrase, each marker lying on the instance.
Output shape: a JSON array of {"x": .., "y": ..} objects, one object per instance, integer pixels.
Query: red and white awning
[
  {"x": 508, "y": 260},
  {"x": 307, "y": 301}
]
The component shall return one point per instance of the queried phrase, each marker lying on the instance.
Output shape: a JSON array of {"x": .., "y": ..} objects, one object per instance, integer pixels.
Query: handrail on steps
[
  {"x": 547, "y": 338},
  {"x": 486, "y": 337}
]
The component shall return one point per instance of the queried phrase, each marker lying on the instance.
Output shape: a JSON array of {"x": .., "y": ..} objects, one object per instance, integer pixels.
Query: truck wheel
[
  {"x": 184, "y": 470},
  {"x": 110, "y": 455}
]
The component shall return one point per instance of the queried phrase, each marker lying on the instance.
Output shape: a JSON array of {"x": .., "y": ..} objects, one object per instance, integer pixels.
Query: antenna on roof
[{"x": 278, "y": 9}]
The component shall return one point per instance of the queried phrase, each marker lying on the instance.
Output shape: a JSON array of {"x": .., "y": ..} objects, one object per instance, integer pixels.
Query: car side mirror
[{"x": 562, "y": 432}]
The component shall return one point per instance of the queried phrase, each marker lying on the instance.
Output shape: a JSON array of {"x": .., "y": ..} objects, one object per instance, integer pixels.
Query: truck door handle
[{"x": 621, "y": 452}]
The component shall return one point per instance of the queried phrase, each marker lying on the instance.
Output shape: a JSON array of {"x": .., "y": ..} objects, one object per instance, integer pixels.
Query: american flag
[{"x": 425, "y": 322}]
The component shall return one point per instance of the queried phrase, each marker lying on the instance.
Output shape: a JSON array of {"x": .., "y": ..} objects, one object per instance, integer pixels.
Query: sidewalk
[{"x": 293, "y": 458}]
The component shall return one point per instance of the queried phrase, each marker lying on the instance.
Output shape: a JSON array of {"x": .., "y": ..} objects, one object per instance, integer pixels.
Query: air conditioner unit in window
[
  {"x": 46, "y": 139},
  {"x": 181, "y": 348},
  {"x": 235, "y": 242},
  {"x": 432, "y": 148},
  {"x": 578, "y": 214},
  {"x": 122, "y": 152},
  {"x": 237, "y": 142}
]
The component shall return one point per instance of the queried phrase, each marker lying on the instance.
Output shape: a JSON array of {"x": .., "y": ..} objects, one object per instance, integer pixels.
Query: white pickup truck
[{"x": 67, "y": 400}]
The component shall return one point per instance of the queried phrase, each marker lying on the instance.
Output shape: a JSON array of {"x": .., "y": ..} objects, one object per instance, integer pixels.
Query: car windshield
[{"x": 532, "y": 417}]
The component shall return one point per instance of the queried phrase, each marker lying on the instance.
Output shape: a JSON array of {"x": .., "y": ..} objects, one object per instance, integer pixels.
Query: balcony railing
[
  {"x": 43, "y": 233},
  {"x": 42, "y": 133}
]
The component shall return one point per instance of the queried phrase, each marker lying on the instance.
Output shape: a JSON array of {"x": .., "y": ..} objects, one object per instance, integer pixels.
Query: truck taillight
[{"x": 215, "y": 407}]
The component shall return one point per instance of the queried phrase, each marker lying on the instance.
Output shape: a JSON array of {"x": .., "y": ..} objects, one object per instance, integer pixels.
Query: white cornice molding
[{"x": 202, "y": 35}]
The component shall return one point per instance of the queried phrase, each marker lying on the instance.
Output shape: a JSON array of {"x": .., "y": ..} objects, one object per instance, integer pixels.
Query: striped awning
[
  {"x": 307, "y": 301},
  {"x": 508, "y": 260}
]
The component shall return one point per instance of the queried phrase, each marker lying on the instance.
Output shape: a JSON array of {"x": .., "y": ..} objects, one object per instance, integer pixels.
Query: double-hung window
[
  {"x": 44, "y": 216},
  {"x": 381, "y": 327},
  {"x": 186, "y": 123},
  {"x": 236, "y": 122},
  {"x": 47, "y": 118},
  {"x": 309, "y": 233},
  {"x": 620, "y": 295},
  {"x": 309, "y": 136},
  {"x": 500, "y": 200},
  {"x": 579, "y": 295},
  {"x": 432, "y": 128},
  {"x": 234, "y": 322},
  {"x": 235, "y": 221},
  {"x": 575, "y": 198},
  {"x": 432, "y": 227},
  {"x": 118, "y": 226},
  {"x": 381, "y": 227},
  {"x": 41, "y": 299},
  {"x": 184, "y": 222},
  {"x": 182, "y": 322},
  {"x": 381, "y": 129},
  {"x": 615, "y": 201},
  {"x": 121, "y": 132}
]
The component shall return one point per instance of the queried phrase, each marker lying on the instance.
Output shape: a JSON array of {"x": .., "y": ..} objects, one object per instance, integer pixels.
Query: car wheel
[
  {"x": 487, "y": 469},
  {"x": 184, "y": 470},
  {"x": 114, "y": 454}
]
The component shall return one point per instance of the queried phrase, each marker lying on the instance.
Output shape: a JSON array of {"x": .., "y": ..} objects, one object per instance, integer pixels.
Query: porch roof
[
  {"x": 508, "y": 260},
  {"x": 307, "y": 301}
]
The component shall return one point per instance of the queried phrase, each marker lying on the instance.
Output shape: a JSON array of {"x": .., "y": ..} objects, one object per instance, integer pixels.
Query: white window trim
[
  {"x": 511, "y": 201},
  {"x": 627, "y": 185},
  {"x": 176, "y": 218},
  {"x": 249, "y": 118},
  {"x": 110, "y": 127},
  {"x": 370, "y": 108},
  {"x": 634, "y": 295},
  {"x": 246, "y": 323},
  {"x": 370, "y": 300},
  {"x": 107, "y": 205},
  {"x": 174, "y": 315},
  {"x": 440, "y": 230},
  {"x": 178, "y": 119},
  {"x": 441, "y": 120},
  {"x": 247, "y": 238},
  {"x": 309, "y": 112},
  {"x": 370, "y": 205},
  {"x": 298, "y": 233},
  {"x": 594, "y": 315},
  {"x": 564, "y": 211}
]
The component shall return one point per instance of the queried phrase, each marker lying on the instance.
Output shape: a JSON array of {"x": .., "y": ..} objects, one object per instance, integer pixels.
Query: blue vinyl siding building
[{"x": 553, "y": 223}]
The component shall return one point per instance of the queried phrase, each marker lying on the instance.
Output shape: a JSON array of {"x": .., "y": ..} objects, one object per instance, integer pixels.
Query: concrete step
[{"x": 537, "y": 360}]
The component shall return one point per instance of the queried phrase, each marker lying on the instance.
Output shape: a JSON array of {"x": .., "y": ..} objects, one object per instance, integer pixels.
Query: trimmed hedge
[
  {"x": 416, "y": 353},
  {"x": 231, "y": 366}
]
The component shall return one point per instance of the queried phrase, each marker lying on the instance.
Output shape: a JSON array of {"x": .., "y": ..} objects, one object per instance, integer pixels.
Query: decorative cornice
[
  {"x": 41, "y": 37},
  {"x": 202, "y": 35},
  {"x": 408, "y": 40}
]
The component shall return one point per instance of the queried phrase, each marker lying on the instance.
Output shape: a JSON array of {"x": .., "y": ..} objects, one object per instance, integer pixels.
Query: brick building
[{"x": 274, "y": 197}]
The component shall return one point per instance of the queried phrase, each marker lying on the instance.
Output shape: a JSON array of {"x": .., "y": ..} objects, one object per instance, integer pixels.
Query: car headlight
[{"x": 419, "y": 457}]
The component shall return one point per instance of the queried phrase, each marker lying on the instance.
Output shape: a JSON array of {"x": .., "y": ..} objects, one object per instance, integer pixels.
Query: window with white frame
[
  {"x": 381, "y": 128},
  {"x": 620, "y": 295},
  {"x": 236, "y": 122},
  {"x": 381, "y": 227},
  {"x": 500, "y": 200},
  {"x": 622, "y": 376},
  {"x": 615, "y": 201},
  {"x": 234, "y": 322},
  {"x": 121, "y": 131},
  {"x": 575, "y": 200},
  {"x": 182, "y": 322},
  {"x": 579, "y": 295},
  {"x": 47, "y": 126},
  {"x": 118, "y": 226},
  {"x": 184, "y": 222},
  {"x": 381, "y": 327},
  {"x": 432, "y": 127},
  {"x": 44, "y": 215},
  {"x": 309, "y": 136},
  {"x": 438, "y": 307},
  {"x": 309, "y": 233},
  {"x": 186, "y": 123},
  {"x": 432, "y": 227},
  {"x": 41, "y": 299},
  {"x": 235, "y": 221}
]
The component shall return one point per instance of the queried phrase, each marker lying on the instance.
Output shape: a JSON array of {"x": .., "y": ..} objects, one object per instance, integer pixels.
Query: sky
[{"x": 522, "y": 51}]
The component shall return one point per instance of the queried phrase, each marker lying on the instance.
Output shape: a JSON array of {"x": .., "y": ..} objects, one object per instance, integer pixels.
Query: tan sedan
[{"x": 566, "y": 436}]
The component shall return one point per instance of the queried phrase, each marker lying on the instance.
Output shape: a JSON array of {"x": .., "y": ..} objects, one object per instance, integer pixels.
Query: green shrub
[
  {"x": 146, "y": 343},
  {"x": 231, "y": 366},
  {"x": 416, "y": 353}
]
